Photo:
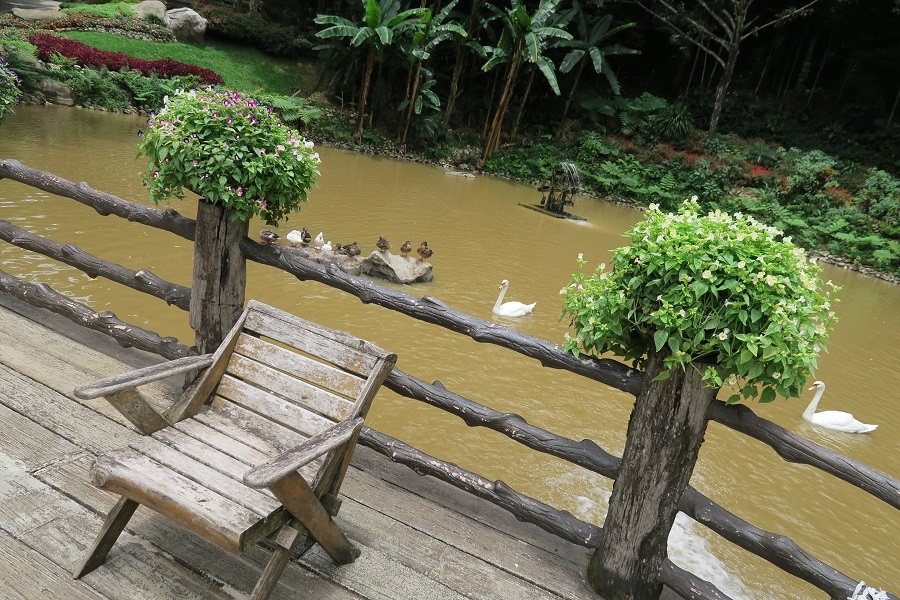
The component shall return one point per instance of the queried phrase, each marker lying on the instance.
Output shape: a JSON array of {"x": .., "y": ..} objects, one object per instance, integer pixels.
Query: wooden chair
[{"x": 256, "y": 447}]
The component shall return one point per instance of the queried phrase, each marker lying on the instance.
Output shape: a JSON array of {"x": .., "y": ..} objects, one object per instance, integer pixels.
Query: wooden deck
[{"x": 420, "y": 538}]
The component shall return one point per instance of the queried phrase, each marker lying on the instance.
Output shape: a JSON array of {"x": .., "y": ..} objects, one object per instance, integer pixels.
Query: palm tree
[
  {"x": 589, "y": 44},
  {"x": 383, "y": 21},
  {"x": 431, "y": 31},
  {"x": 524, "y": 38}
]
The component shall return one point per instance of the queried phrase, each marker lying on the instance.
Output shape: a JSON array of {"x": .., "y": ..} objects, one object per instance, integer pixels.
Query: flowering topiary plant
[
  {"x": 9, "y": 88},
  {"x": 229, "y": 150},
  {"x": 718, "y": 289}
]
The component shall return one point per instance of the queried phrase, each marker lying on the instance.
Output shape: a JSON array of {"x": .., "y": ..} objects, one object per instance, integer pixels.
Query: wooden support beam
[
  {"x": 43, "y": 296},
  {"x": 143, "y": 281},
  {"x": 103, "y": 203}
]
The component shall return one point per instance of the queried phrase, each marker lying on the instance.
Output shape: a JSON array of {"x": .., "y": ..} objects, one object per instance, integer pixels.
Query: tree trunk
[
  {"x": 454, "y": 84},
  {"x": 515, "y": 129},
  {"x": 220, "y": 275},
  {"x": 565, "y": 113},
  {"x": 665, "y": 432},
  {"x": 722, "y": 87},
  {"x": 493, "y": 137},
  {"x": 363, "y": 94},
  {"x": 412, "y": 103}
]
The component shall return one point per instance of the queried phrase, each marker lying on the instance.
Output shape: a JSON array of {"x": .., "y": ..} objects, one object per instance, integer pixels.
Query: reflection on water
[{"x": 480, "y": 236}]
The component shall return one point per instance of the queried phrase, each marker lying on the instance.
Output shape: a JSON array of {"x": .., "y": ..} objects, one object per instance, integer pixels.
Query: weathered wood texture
[
  {"x": 529, "y": 510},
  {"x": 420, "y": 539},
  {"x": 220, "y": 275},
  {"x": 216, "y": 470},
  {"x": 105, "y": 204},
  {"x": 43, "y": 296},
  {"x": 665, "y": 432},
  {"x": 143, "y": 281}
]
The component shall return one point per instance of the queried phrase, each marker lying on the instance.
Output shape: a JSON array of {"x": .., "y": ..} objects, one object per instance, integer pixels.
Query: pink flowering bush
[{"x": 230, "y": 150}]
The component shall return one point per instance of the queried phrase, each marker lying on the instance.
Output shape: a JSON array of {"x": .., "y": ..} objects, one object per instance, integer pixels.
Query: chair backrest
[{"x": 294, "y": 374}]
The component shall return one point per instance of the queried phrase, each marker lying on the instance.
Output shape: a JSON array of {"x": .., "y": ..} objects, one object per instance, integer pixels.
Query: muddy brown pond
[{"x": 480, "y": 236}]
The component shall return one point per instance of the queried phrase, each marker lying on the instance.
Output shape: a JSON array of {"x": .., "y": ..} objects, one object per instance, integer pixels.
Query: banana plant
[
  {"x": 588, "y": 47},
  {"x": 524, "y": 38},
  {"x": 383, "y": 22},
  {"x": 431, "y": 31}
]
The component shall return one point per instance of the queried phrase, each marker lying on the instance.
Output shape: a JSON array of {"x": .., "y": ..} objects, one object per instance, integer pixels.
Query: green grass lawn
[{"x": 243, "y": 68}]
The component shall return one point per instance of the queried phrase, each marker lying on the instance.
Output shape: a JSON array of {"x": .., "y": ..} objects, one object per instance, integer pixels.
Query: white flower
[
  {"x": 653, "y": 207},
  {"x": 581, "y": 256},
  {"x": 723, "y": 335},
  {"x": 707, "y": 274},
  {"x": 694, "y": 198}
]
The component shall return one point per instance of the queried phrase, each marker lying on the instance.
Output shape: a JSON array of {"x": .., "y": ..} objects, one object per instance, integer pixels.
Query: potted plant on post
[
  {"x": 242, "y": 162},
  {"x": 700, "y": 302}
]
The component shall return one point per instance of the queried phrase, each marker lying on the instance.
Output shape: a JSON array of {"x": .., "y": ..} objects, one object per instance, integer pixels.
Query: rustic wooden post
[
  {"x": 220, "y": 275},
  {"x": 665, "y": 432}
]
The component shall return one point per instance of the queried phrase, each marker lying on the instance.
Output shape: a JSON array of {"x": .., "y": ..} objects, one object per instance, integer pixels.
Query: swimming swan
[
  {"x": 510, "y": 309},
  {"x": 833, "y": 419}
]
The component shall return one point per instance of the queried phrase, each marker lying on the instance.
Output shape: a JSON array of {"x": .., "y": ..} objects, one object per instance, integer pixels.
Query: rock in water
[{"x": 397, "y": 269}]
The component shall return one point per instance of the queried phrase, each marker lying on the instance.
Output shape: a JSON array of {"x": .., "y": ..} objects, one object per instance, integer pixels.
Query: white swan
[
  {"x": 510, "y": 309},
  {"x": 295, "y": 238},
  {"x": 833, "y": 419}
]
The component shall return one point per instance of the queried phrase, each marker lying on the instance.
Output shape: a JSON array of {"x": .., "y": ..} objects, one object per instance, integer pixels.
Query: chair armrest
[
  {"x": 269, "y": 472},
  {"x": 132, "y": 379}
]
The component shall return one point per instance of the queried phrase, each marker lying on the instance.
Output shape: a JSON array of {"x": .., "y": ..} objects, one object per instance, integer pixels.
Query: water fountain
[{"x": 565, "y": 181}]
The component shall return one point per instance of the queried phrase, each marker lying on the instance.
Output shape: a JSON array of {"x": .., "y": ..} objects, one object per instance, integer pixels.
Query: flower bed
[{"x": 48, "y": 45}]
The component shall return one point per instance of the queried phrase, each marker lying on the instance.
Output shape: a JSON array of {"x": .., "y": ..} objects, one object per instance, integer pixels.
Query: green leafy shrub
[
  {"x": 880, "y": 198},
  {"x": 671, "y": 122},
  {"x": 719, "y": 289},
  {"x": 230, "y": 150},
  {"x": 94, "y": 87}
]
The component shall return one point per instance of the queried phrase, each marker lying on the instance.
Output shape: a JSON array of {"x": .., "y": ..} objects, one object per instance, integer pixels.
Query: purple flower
[
  {"x": 263, "y": 205},
  {"x": 240, "y": 191}
]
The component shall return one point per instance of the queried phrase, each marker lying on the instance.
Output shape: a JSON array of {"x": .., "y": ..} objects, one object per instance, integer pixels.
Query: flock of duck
[
  {"x": 303, "y": 239},
  {"x": 829, "y": 419}
]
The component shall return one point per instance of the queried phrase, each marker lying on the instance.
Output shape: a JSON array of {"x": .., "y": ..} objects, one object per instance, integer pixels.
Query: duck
[
  {"x": 382, "y": 243},
  {"x": 267, "y": 236},
  {"x": 510, "y": 309},
  {"x": 405, "y": 248},
  {"x": 833, "y": 419},
  {"x": 421, "y": 249},
  {"x": 426, "y": 254},
  {"x": 352, "y": 249},
  {"x": 319, "y": 241},
  {"x": 296, "y": 238},
  {"x": 327, "y": 247}
]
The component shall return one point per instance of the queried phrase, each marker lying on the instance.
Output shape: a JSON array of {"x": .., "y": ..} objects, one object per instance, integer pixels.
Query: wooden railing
[{"x": 781, "y": 551}]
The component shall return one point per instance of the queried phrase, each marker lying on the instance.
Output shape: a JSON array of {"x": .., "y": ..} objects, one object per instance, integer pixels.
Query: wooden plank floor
[{"x": 420, "y": 538}]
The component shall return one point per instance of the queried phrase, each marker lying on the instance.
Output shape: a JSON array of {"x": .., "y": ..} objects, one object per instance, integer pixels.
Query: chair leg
[
  {"x": 288, "y": 538},
  {"x": 298, "y": 498},
  {"x": 115, "y": 523}
]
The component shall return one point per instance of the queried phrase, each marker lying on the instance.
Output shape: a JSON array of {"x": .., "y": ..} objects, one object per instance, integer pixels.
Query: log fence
[{"x": 779, "y": 550}]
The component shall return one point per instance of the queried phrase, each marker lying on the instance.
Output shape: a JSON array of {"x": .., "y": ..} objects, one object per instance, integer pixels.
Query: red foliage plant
[{"x": 84, "y": 55}]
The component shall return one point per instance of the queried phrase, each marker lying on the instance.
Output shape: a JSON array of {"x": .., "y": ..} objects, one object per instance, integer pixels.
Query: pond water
[{"x": 480, "y": 235}]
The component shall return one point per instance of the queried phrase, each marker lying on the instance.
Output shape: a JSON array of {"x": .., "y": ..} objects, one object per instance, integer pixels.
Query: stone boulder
[
  {"x": 186, "y": 25},
  {"x": 37, "y": 14},
  {"x": 397, "y": 269},
  {"x": 55, "y": 92},
  {"x": 150, "y": 7}
]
